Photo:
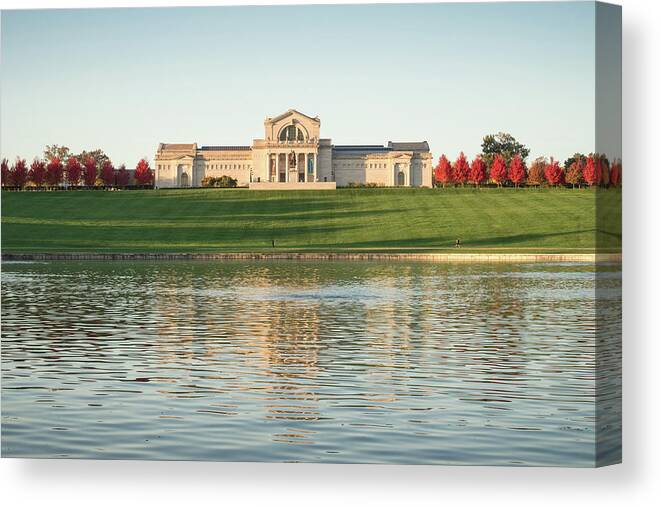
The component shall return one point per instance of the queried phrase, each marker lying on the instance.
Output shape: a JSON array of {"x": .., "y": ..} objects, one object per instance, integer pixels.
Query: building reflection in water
[
  {"x": 246, "y": 322},
  {"x": 299, "y": 353}
]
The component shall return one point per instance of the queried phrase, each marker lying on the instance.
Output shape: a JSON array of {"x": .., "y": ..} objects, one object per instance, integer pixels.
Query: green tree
[
  {"x": 576, "y": 156},
  {"x": 97, "y": 155},
  {"x": 504, "y": 144},
  {"x": 55, "y": 151}
]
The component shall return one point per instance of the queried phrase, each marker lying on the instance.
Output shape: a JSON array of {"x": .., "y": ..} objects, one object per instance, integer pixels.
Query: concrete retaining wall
[{"x": 429, "y": 257}]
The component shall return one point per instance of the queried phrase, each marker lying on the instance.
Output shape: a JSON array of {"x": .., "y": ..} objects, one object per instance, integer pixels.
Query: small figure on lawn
[
  {"x": 457, "y": 243},
  {"x": 273, "y": 243}
]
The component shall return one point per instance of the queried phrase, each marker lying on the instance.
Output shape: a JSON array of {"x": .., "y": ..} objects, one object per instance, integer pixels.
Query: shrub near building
[{"x": 221, "y": 182}]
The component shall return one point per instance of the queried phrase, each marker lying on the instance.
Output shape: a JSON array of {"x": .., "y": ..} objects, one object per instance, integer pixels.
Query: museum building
[{"x": 292, "y": 155}]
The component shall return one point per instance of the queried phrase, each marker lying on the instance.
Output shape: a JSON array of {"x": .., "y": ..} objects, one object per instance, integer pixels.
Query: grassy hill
[{"x": 200, "y": 220}]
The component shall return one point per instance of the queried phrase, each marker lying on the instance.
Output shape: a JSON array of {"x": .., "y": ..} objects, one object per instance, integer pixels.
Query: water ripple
[{"x": 332, "y": 362}]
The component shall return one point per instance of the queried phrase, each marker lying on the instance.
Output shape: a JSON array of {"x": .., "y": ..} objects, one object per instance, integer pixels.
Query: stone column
[
  {"x": 308, "y": 159},
  {"x": 298, "y": 165},
  {"x": 268, "y": 167},
  {"x": 286, "y": 162},
  {"x": 314, "y": 166},
  {"x": 279, "y": 167}
]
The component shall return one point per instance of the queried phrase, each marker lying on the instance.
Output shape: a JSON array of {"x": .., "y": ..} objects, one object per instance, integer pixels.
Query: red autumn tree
[
  {"x": 592, "y": 170},
  {"x": 108, "y": 173},
  {"x": 123, "y": 176},
  {"x": 575, "y": 173},
  {"x": 498, "y": 171},
  {"x": 54, "y": 172},
  {"x": 73, "y": 170},
  {"x": 4, "y": 176},
  {"x": 143, "y": 174},
  {"x": 37, "y": 173},
  {"x": 460, "y": 169},
  {"x": 19, "y": 173},
  {"x": 89, "y": 171},
  {"x": 517, "y": 173},
  {"x": 536, "y": 173},
  {"x": 443, "y": 171},
  {"x": 599, "y": 168},
  {"x": 478, "y": 172},
  {"x": 616, "y": 173},
  {"x": 553, "y": 173}
]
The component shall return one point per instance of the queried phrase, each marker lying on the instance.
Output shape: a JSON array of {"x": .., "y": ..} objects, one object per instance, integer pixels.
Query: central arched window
[{"x": 291, "y": 133}]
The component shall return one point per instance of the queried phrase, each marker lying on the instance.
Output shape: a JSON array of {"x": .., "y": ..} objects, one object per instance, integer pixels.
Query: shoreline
[{"x": 488, "y": 258}]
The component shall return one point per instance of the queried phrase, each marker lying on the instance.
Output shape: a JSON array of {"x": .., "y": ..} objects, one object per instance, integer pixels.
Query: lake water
[{"x": 319, "y": 362}]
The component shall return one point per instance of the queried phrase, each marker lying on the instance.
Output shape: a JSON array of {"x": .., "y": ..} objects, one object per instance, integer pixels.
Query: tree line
[
  {"x": 590, "y": 170},
  {"x": 502, "y": 162},
  {"x": 59, "y": 167}
]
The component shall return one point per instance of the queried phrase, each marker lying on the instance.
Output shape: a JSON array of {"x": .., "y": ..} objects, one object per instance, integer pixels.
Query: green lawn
[{"x": 203, "y": 220}]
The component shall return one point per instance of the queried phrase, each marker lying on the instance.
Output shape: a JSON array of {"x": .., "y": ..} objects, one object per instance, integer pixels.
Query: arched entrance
[
  {"x": 401, "y": 179},
  {"x": 184, "y": 180}
]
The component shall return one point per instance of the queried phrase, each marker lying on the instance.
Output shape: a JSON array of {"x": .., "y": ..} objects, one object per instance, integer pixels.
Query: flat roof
[{"x": 225, "y": 148}]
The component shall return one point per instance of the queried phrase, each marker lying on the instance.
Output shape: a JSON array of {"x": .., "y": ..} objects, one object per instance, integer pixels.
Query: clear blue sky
[{"x": 125, "y": 79}]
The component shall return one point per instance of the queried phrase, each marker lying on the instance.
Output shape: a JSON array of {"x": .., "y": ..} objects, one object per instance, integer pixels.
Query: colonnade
[{"x": 281, "y": 167}]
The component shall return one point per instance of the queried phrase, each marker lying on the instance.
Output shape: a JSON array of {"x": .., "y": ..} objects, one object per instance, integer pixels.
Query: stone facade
[{"x": 293, "y": 152}]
